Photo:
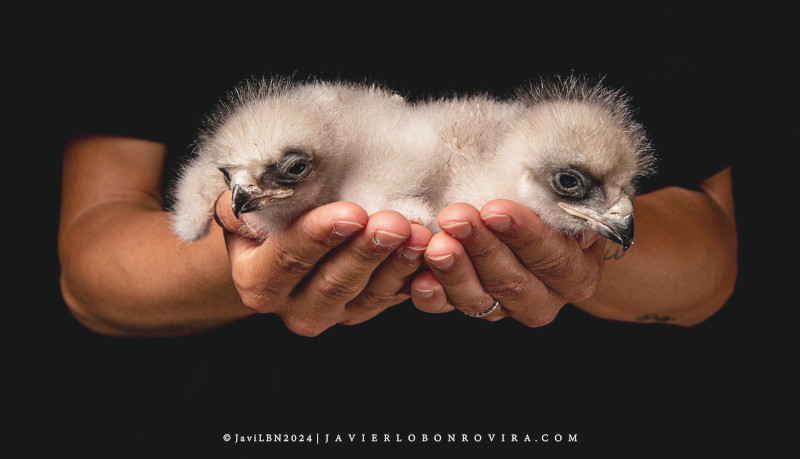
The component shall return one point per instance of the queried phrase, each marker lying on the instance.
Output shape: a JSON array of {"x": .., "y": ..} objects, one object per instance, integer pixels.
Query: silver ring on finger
[{"x": 486, "y": 312}]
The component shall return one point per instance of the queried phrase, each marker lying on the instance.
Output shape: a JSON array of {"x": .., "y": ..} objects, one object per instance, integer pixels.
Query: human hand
[
  {"x": 505, "y": 252},
  {"x": 332, "y": 265}
]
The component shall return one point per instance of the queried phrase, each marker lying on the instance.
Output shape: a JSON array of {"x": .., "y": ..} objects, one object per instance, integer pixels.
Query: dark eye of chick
[
  {"x": 297, "y": 168},
  {"x": 294, "y": 168},
  {"x": 571, "y": 183},
  {"x": 567, "y": 181}
]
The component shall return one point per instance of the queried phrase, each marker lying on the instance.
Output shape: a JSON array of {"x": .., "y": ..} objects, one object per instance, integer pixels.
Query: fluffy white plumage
[
  {"x": 284, "y": 148},
  {"x": 566, "y": 130}
]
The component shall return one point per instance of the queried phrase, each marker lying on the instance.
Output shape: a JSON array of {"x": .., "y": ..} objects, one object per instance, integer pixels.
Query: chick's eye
[
  {"x": 571, "y": 183},
  {"x": 297, "y": 168},
  {"x": 293, "y": 169},
  {"x": 567, "y": 181}
]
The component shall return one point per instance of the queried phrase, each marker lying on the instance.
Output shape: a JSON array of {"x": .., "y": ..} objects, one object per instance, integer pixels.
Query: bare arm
[
  {"x": 683, "y": 266},
  {"x": 681, "y": 269},
  {"x": 123, "y": 272}
]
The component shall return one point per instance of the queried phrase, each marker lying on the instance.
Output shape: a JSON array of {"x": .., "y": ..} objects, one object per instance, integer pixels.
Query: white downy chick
[
  {"x": 568, "y": 150},
  {"x": 274, "y": 144},
  {"x": 571, "y": 152},
  {"x": 284, "y": 148},
  {"x": 392, "y": 159}
]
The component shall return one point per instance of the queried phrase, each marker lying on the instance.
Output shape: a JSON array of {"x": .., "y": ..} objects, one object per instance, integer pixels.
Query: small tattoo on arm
[
  {"x": 654, "y": 318},
  {"x": 613, "y": 253}
]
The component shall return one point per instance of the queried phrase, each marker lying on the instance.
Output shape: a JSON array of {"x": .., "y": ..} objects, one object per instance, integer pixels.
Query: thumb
[{"x": 238, "y": 237}]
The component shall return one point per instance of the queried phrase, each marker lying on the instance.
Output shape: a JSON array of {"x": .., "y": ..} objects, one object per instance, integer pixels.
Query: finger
[
  {"x": 428, "y": 294},
  {"x": 223, "y": 214},
  {"x": 452, "y": 267},
  {"x": 343, "y": 275},
  {"x": 238, "y": 240},
  {"x": 386, "y": 287},
  {"x": 272, "y": 270},
  {"x": 501, "y": 273},
  {"x": 565, "y": 264}
]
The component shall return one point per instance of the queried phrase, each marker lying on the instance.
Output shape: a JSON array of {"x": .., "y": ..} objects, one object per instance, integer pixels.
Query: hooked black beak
[
  {"x": 621, "y": 232},
  {"x": 615, "y": 224},
  {"x": 239, "y": 200},
  {"x": 252, "y": 199}
]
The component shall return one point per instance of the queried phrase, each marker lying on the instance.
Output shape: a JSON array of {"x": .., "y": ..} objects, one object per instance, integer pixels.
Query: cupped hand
[
  {"x": 505, "y": 252},
  {"x": 333, "y": 265}
]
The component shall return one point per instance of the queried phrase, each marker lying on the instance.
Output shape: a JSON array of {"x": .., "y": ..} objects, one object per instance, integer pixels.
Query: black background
[{"x": 707, "y": 83}]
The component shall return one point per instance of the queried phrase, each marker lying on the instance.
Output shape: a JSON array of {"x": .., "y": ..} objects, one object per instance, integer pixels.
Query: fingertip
[
  {"x": 456, "y": 214},
  {"x": 390, "y": 221},
  {"x": 442, "y": 244},
  {"x": 516, "y": 211},
  {"x": 420, "y": 236},
  {"x": 425, "y": 281},
  {"x": 498, "y": 206},
  {"x": 416, "y": 244},
  {"x": 428, "y": 294},
  {"x": 223, "y": 214},
  {"x": 330, "y": 224},
  {"x": 509, "y": 218},
  {"x": 341, "y": 211}
]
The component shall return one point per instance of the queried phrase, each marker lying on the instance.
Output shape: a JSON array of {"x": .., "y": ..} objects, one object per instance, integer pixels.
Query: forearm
[
  {"x": 123, "y": 272},
  {"x": 682, "y": 268},
  {"x": 132, "y": 277}
]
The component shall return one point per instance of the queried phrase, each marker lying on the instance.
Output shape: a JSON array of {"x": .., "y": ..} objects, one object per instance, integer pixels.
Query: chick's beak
[
  {"x": 615, "y": 224},
  {"x": 249, "y": 198}
]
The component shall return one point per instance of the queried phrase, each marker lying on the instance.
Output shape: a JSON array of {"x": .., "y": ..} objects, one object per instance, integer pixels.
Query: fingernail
[
  {"x": 444, "y": 261},
  {"x": 424, "y": 293},
  {"x": 498, "y": 222},
  {"x": 387, "y": 239},
  {"x": 345, "y": 228},
  {"x": 413, "y": 253},
  {"x": 460, "y": 230}
]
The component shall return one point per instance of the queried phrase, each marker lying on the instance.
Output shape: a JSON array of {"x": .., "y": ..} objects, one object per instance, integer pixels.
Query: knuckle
[
  {"x": 256, "y": 295},
  {"x": 254, "y": 301},
  {"x": 332, "y": 287},
  {"x": 291, "y": 262},
  {"x": 364, "y": 255},
  {"x": 584, "y": 287},
  {"x": 539, "y": 318},
  {"x": 481, "y": 251},
  {"x": 580, "y": 292},
  {"x": 517, "y": 243},
  {"x": 510, "y": 288},
  {"x": 305, "y": 327},
  {"x": 376, "y": 300},
  {"x": 554, "y": 265},
  {"x": 242, "y": 283},
  {"x": 320, "y": 239}
]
